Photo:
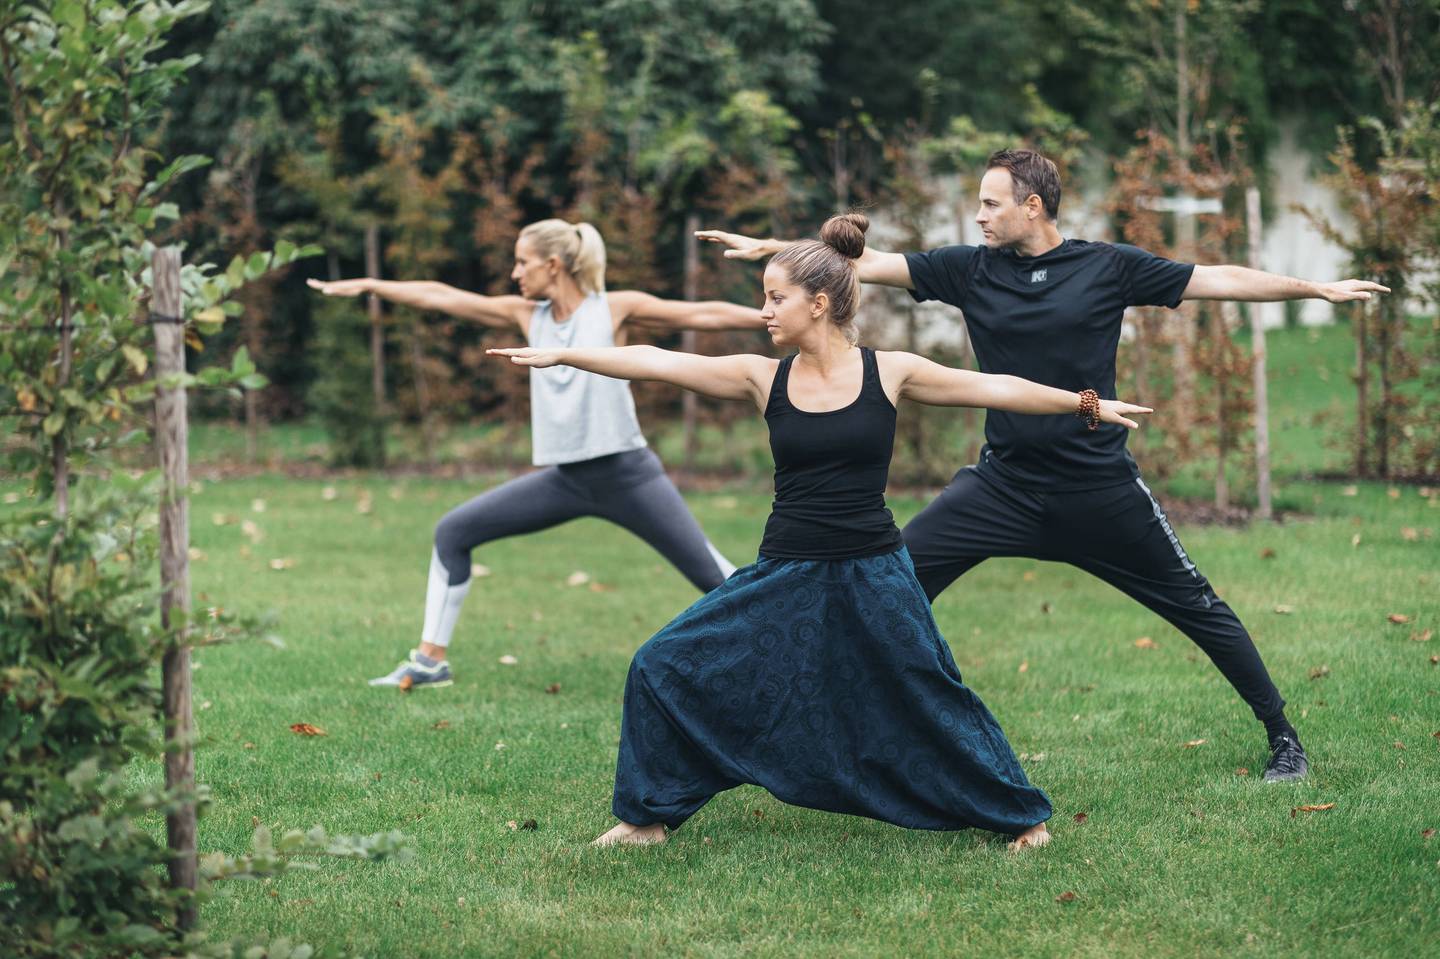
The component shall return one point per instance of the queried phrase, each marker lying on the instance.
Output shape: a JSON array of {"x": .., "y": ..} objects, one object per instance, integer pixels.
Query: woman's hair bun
[{"x": 845, "y": 233}]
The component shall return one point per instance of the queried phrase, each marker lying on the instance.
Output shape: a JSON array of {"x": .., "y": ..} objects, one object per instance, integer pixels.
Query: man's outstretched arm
[
  {"x": 1242, "y": 283},
  {"x": 875, "y": 266}
]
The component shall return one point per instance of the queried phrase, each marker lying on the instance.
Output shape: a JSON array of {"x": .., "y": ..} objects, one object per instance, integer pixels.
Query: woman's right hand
[
  {"x": 528, "y": 356},
  {"x": 342, "y": 287},
  {"x": 741, "y": 247}
]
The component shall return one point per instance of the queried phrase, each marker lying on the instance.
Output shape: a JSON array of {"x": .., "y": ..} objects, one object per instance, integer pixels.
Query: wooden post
[
  {"x": 689, "y": 405},
  {"x": 1183, "y": 404},
  {"x": 1257, "y": 346},
  {"x": 377, "y": 334},
  {"x": 171, "y": 435}
]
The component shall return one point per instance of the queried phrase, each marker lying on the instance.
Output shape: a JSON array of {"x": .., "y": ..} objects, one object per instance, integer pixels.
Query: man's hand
[
  {"x": 741, "y": 247},
  {"x": 1343, "y": 291}
]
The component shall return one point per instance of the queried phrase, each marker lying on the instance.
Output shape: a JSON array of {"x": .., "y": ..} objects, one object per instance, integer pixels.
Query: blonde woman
[{"x": 593, "y": 458}]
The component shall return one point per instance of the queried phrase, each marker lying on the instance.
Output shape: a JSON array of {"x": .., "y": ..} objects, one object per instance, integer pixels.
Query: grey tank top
[{"x": 576, "y": 415}]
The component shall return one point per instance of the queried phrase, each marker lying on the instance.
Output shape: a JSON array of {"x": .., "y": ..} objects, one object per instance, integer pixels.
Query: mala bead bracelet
[{"x": 1089, "y": 410}]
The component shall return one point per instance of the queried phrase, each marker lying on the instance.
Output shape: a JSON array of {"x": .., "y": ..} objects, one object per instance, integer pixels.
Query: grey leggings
[{"x": 629, "y": 489}]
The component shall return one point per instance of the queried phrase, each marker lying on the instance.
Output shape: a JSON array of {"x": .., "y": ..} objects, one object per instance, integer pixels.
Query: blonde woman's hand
[{"x": 341, "y": 287}]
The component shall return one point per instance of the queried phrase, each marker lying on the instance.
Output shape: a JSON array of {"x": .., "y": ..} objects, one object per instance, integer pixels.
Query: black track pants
[{"x": 1119, "y": 534}]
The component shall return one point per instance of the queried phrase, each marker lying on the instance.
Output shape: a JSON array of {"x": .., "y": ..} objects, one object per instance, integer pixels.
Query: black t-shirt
[{"x": 1054, "y": 319}]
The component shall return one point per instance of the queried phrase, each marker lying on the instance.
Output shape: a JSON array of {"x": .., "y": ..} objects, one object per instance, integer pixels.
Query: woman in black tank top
[{"x": 817, "y": 671}]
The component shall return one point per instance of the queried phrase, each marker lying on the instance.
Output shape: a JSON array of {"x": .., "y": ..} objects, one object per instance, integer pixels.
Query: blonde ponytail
[{"x": 578, "y": 247}]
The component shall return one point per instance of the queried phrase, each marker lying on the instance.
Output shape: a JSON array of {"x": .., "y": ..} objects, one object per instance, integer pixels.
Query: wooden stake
[
  {"x": 1257, "y": 346},
  {"x": 171, "y": 436}
]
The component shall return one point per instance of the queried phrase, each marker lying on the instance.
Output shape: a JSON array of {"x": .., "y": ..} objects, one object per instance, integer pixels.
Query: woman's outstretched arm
[
  {"x": 741, "y": 377},
  {"x": 501, "y": 312},
  {"x": 925, "y": 381},
  {"x": 652, "y": 312}
]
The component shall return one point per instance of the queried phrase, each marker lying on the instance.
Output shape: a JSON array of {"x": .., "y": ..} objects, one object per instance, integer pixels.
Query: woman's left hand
[
  {"x": 1113, "y": 411},
  {"x": 528, "y": 356}
]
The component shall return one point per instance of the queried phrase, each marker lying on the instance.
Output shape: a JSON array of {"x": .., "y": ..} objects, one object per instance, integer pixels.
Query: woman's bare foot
[
  {"x": 628, "y": 835},
  {"x": 1036, "y": 835}
]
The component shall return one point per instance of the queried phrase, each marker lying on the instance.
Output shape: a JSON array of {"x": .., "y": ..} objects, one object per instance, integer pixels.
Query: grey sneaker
[
  {"x": 422, "y": 670},
  {"x": 1288, "y": 761}
]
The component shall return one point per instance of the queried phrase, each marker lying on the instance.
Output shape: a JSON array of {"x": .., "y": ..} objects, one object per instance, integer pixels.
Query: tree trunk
[
  {"x": 377, "y": 333},
  {"x": 1264, "y": 508},
  {"x": 59, "y": 445},
  {"x": 171, "y": 435},
  {"x": 1182, "y": 403},
  {"x": 422, "y": 394},
  {"x": 688, "y": 399},
  {"x": 1384, "y": 409},
  {"x": 1362, "y": 392}
]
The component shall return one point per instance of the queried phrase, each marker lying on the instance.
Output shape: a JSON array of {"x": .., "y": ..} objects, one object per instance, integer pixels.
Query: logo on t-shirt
[{"x": 1037, "y": 277}]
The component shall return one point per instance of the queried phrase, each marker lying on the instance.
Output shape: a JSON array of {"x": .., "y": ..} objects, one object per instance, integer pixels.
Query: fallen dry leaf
[
  {"x": 196, "y": 555},
  {"x": 1319, "y": 672},
  {"x": 1284, "y": 610},
  {"x": 1355, "y": 540},
  {"x": 1350, "y": 491},
  {"x": 329, "y": 493},
  {"x": 282, "y": 562},
  {"x": 1066, "y": 896},
  {"x": 1024, "y": 666},
  {"x": 1080, "y": 818},
  {"x": 1028, "y": 576},
  {"x": 577, "y": 578},
  {"x": 1409, "y": 533},
  {"x": 223, "y": 519},
  {"x": 499, "y": 746},
  {"x": 306, "y": 729},
  {"x": 1320, "y": 808},
  {"x": 1393, "y": 492},
  {"x": 1145, "y": 642},
  {"x": 1399, "y": 619},
  {"x": 1241, "y": 771},
  {"x": 1427, "y": 833},
  {"x": 1422, "y": 637},
  {"x": 442, "y": 724},
  {"x": 512, "y": 825},
  {"x": 1399, "y": 744},
  {"x": 1267, "y": 553},
  {"x": 251, "y": 531},
  {"x": 247, "y": 746},
  {"x": 257, "y": 506},
  {"x": 1193, "y": 743},
  {"x": 508, "y": 660},
  {"x": 600, "y": 588},
  {"x": 553, "y": 688},
  {"x": 1435, "y": 660}
]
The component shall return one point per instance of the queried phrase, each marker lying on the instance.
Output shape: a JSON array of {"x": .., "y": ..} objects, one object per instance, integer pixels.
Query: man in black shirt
[{"x": 1050, "y": 309}]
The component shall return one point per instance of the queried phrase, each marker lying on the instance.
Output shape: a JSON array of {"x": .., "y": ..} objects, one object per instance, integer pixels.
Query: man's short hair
[{"x": 1030, "y": 173}]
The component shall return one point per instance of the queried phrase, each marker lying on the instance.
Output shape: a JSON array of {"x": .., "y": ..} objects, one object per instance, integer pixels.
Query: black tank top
[{"x": 830, "y": 473}]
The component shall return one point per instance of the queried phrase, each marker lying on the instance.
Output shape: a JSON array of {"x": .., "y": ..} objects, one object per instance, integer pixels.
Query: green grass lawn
[
  {"x": 1182, "y": 850},
  {"x": 1180, "y": 853}
]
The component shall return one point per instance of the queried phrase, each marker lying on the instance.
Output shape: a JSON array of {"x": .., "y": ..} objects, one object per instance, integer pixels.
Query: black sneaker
[{"x": 1287, "y": 761}]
